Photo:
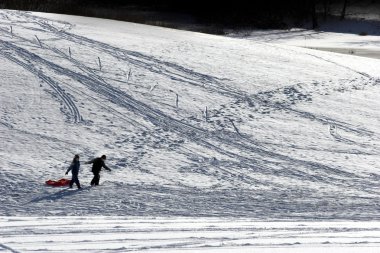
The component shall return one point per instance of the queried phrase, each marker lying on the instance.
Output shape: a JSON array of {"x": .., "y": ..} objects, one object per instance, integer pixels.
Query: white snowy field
[
  {"x": 359, "y": 37},
  {"x": 290, "y": 134},
  {"x": 118, "y": 234},
  {"x": 336, "y": 42}
]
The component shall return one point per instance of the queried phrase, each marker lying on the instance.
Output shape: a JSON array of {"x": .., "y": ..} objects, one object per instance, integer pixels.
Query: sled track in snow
[
  {"x": 189, "y": 76},
  {"x": 198, "y": 135},
  {"x": 244, "y": 162},
  {"x": 150, "y": 63},
  {"x": 201, "y": 80},
  {"x": 92, "y": 75},
  {"x": 138, "y": 234},
  {"x": 202, "y": 136},
  {"x": 29, "y": 57},
  {"x": 322, "y": 59},
  {"x": 211, "y": 140}
]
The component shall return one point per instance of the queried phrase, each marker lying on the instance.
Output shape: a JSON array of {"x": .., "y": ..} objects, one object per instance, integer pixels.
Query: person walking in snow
[
  {"x": 74, "y": 168},
  {"x": 97, "y": 165}
]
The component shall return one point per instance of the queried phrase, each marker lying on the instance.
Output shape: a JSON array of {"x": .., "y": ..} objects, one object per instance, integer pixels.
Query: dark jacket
[
  {"x": 97, "y": 165},
  {"x": 74, "y": 167}
]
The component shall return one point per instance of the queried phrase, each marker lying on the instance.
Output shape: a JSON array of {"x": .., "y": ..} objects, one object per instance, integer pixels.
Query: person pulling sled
[{"x": 74, "y": 168}]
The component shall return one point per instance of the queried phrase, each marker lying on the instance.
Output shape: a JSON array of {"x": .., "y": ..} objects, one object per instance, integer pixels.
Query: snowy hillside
[{"x": 289, "y": 133}]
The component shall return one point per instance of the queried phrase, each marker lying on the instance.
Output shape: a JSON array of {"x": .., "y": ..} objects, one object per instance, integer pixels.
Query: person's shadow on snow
[{"x": 55, "y": 196}]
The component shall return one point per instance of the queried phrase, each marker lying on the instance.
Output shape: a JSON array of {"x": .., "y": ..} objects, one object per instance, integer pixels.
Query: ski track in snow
[
  {"x": 29, "y": 65},
  {"x": 119, "y": 97},
  {"x": 116, "y": 234},
  {"x": 227, "y": 155}
]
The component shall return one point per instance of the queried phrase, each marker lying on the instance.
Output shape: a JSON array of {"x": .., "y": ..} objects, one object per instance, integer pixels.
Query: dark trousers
[
  {"x": 74, "y": 179},
  {"x": 95, "y": 180}
]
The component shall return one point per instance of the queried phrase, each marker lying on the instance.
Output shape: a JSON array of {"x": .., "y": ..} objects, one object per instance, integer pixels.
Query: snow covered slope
[{"x": 289, "y": 133}]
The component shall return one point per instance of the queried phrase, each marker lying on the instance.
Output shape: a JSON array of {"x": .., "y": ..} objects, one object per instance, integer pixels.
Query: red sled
[{"x": 61, "y": 182}]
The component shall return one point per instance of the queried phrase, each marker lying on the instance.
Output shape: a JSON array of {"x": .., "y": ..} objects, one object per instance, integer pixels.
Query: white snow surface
[
  {"x": 290, "y": 133},
  {"x": 359, "y": 37},
  {"x": 286, "y": 161},
  {"x": 210, "y": 235}
]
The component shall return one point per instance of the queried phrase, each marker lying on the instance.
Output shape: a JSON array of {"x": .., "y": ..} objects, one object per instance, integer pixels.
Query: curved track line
[{"x": 73, "y": 113}]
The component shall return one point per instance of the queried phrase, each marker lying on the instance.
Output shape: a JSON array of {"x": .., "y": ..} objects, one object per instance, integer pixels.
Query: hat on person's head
[{"x": 104, "y": 157}]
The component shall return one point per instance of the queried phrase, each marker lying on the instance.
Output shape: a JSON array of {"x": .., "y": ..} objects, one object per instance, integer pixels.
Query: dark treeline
[{"x": 239, "y": 13}]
